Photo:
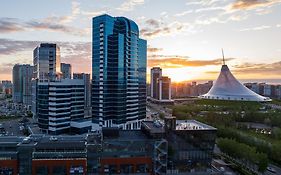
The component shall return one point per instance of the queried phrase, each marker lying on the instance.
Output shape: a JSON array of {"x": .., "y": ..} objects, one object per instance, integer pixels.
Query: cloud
[
  {"x": 252, "y": 4},
  {"x": 203, "y": 2},
  {"x": 93, "y": 13},
  {"x": 129, "y": 5},
  {"x": 8, "y": 25},
  {"x": 153, "y": 23},
  {"x": 153, "y": 49},
  {"x": 278, "y": 25},
  {"x": 255, "y": 28},
  {"x": 261, "y": 68},
  {"x": 163, "y": 13},
  {"x": 155, "y": 28},
  {"x": 9, "y": 47},
  {"x": 75, "y": 8},
  {"x": 206, "y": 9},
  {"x": 149, "y": 33},
  {"x": 6, "y": 68},
  {"x": 255, "y": 70},
  {"x": 184, "y": 13},
  {"x": 180, "y": 62},
  {"x": 223, "y": 11},
  {"x": 76, "y": 53},
  {"x": 54, "y": 24},
  {"x": 75, "y": 11}
]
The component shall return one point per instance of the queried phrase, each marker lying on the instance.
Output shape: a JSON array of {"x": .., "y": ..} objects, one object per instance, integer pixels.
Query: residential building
[
  {"x": 66, "y": 70},
  {"x": 22, "y": 87},
  {"x": 118, "y": 73}
]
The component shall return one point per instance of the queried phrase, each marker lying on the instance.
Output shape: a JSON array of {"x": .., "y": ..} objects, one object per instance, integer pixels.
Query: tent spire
[
  {"x": 223, "y": 61},
  {"x": 223, "y": 57}
]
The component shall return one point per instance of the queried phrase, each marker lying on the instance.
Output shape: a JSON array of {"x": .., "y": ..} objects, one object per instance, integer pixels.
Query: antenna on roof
[{"x": 223, "y": 57}]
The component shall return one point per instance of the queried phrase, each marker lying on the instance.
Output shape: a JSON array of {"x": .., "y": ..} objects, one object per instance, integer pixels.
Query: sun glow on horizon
[{"x": 185, "y": 73}]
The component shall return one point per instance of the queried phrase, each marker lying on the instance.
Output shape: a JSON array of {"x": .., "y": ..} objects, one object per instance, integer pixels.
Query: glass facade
[
  {"x": 46, "y": 61},
  {"x": 118, "y": 72}
]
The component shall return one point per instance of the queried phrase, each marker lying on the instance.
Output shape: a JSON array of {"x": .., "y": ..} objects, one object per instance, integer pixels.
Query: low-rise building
[{"x": 180, "y": 146}]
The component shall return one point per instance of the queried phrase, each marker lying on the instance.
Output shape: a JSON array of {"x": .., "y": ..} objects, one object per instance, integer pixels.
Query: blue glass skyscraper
[{"x": 118, "y": 73}]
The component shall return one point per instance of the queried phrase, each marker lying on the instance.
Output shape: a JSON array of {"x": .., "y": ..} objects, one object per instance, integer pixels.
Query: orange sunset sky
[{"x": 184, "y": 37}]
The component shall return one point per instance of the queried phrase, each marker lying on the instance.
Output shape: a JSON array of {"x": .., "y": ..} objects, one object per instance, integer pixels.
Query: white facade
[{"x": 227, "y": 87}]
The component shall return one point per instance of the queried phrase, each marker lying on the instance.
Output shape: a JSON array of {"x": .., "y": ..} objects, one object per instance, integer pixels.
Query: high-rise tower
[
  {"x": 118, "y": 73},
  {"x": 22, "y": 88},
  {"x": 46, "y": 61},
  {"x": 155, "y": 74}
]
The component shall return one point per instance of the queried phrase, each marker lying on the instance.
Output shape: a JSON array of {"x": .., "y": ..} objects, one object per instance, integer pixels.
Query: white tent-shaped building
[{"x": 227, "y": 87}]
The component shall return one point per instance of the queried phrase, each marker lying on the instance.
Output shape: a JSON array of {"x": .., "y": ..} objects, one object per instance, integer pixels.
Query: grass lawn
[{"x": 5, "y": 118}]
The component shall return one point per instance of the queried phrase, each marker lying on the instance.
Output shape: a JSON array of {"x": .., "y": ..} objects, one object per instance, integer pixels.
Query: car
[
  {"x": 52, "y": 138},
  {"x": 271, "y": 169}
]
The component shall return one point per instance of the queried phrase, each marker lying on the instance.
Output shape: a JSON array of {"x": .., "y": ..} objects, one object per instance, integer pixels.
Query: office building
[
  {"x": 118, "y": 73},
  {"x": 191, "y": 143},
  {"x": 126, "y": 152},
  {"x": 114, "y": 151},
  {"x": 46, "y": 61},
  {"x": 22, "y": 87},
  {"x": 66, "y": 70},
  {"x": 87, "y": 81},
  {"x": 59, "y": 103},
  {"x": 47, "y": 67},
  {"x": 155, "y": 74}
]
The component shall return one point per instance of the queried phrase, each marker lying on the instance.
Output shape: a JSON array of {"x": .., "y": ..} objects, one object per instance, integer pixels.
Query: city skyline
[{"x": 184, "y": 37}]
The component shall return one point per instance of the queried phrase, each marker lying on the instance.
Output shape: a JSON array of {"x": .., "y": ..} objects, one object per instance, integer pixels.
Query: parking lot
[{"x": 12, "y": 127}]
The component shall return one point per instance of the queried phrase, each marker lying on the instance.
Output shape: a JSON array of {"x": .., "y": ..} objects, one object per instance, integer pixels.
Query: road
[{"x": 278, "y": 170}]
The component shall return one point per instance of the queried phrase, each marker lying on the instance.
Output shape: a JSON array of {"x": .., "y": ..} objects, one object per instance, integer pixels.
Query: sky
[{"x": 184, "y": 37}]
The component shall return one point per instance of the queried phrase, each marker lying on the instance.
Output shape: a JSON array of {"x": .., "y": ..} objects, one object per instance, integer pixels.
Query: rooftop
[
  {"x": 155, "y": 127},
  {"x": 192, "y": 125}
]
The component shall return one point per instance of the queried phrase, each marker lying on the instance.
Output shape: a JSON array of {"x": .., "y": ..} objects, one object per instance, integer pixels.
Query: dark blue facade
[
  {"x": 59, "y": 103},
  {"x": 118, "y": 72}
]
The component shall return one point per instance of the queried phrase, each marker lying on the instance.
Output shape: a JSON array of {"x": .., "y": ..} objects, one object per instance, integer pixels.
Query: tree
[{"x": 263, "y": 161}]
